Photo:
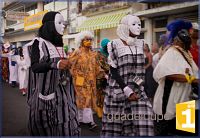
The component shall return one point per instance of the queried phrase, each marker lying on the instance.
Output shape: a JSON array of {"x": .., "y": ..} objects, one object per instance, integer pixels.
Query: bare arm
[
  {"x": 179, "y": 78},
  {"x": 149, "y": 57}
]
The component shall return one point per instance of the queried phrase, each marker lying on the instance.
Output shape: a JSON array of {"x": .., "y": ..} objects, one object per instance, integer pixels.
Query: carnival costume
[
  {"x": 126, "y": 60},
  {"x": 51, "y": 99}
]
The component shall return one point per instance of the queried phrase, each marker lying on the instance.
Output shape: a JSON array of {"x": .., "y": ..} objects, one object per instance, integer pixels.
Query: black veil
[{"x": 48, "y": 31}]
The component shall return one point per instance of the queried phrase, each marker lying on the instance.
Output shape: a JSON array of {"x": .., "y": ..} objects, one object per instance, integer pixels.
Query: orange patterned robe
[{"x": 84, "y": 70}]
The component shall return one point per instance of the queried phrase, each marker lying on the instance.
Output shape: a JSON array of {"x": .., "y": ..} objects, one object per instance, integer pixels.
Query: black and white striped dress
[
  {"x": 53, "y": 111},
  {"x": 117, "y": 108}
]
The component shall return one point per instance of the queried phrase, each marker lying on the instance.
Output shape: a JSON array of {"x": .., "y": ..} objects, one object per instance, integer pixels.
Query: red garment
[
  {"x": 5, "y": 68},
  {"x": 195, "y": 53}
]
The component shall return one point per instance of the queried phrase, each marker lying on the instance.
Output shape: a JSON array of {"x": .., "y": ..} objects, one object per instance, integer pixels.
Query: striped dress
[
  {"x": 120, "y": 116},
  {"x": 53, "y": 111}
]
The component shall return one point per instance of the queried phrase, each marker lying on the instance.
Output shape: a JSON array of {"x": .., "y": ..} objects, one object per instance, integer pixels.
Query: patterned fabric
[
  {"x": 129, "y": 64},
  {"x": 84, "y": 66},
  {"x": 186, "y": 54},
  {"x": 52, "y": 105},
  {"x": 5, "y": 69}
]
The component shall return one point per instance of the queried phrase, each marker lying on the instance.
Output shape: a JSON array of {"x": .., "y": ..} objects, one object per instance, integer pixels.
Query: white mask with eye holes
[
  {"x": 134, "y": 25},
  {"x": 59, "y": 24}
]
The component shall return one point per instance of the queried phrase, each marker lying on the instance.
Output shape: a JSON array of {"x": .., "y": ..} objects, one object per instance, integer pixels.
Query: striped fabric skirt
[{"x": 45, "y": 123}]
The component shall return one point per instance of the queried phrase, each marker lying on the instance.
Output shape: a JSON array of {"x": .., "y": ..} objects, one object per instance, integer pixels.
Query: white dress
[
  {"x": 23, "y": 70},
  {"x": 12, "y": 69}
]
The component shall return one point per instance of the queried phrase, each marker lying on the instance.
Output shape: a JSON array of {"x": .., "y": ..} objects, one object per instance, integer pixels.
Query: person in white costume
[{"x": 23, "y": 69}]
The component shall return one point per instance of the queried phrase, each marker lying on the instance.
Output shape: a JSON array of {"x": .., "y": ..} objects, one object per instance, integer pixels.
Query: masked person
[
  {"x": 22, "y": 71},
  {"x": 126, "y": 98},
  {"x": 53, "y": 111},
  {"x": 175, "y": 73},
  {"x": 84, "y": 70}
]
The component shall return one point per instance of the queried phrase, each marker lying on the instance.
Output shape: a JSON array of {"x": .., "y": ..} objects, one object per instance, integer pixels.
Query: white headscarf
[
  {"x": 129, "y": 23},
  {"x": 82, "y": 35},
  {"x": 6, "y": 45}
]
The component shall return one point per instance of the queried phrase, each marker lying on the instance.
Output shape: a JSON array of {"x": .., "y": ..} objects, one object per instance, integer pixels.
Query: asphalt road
[{"x": 15, "y": 115}]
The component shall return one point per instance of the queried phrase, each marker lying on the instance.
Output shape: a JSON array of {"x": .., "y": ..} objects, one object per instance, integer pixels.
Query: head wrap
[
  {"x": 104, "y": 45},
  {"x": 124, "y": 28},
  {"x": 66, "y": 48},
  {"x": 48, "y": 31},
  {"x": 175, "y": 26},
  {"x": 6, "y": 45},
  {"x": 82, "y": 35}
]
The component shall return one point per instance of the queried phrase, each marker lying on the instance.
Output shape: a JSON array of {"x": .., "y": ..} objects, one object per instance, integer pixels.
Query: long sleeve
[
  {"x": 112, "y": 61},
  {"x": 117, "y": 77},
  {"x": 36, "y": 65}
]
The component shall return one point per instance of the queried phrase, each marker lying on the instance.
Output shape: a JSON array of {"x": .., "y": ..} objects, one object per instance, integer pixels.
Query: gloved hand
[
  {"x": 63, "y": 64},
  {"x": 130, "y": 94}
]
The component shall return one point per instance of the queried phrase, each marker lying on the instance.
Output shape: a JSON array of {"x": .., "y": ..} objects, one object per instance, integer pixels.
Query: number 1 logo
[{"x": 185, "y": 116}]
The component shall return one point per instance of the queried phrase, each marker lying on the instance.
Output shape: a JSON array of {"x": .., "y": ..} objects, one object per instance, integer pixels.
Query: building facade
[{"x": 101, "y": 18}]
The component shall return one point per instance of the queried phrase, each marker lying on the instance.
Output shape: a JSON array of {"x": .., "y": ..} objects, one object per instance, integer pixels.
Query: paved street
[{"x": 15, "y": 115}]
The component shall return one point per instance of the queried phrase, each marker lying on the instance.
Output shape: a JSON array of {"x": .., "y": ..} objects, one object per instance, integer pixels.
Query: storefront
[{"x": 27, "y": 30}]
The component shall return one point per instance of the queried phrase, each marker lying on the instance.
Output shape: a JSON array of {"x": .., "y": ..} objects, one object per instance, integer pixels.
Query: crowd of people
[{"x": 126, "y": 77}]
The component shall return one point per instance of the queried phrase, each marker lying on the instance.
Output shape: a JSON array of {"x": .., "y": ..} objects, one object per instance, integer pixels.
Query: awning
[{"x": 107, "y": 21}]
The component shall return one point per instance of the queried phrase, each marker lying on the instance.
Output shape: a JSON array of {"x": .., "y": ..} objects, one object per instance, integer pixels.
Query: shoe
[
  {"x": 24, "y": 93},
  {"x": 92, "y": 126}
]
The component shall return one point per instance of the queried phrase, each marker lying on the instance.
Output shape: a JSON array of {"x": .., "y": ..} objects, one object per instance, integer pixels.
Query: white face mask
[
  {"x": 135, "y": 25},
  {"x": 59, "y": 24}
]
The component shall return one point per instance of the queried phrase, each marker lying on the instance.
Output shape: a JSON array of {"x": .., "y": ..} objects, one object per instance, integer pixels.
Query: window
[
  {"x": 47, "y": 2},
  {"x": 142, "y": 24},
  {"x": 158, "y": 35},
  {"x": 9, "y": 22},
  {"x": 159, "y": 27},
  {"x": 160, "y": 23}
]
